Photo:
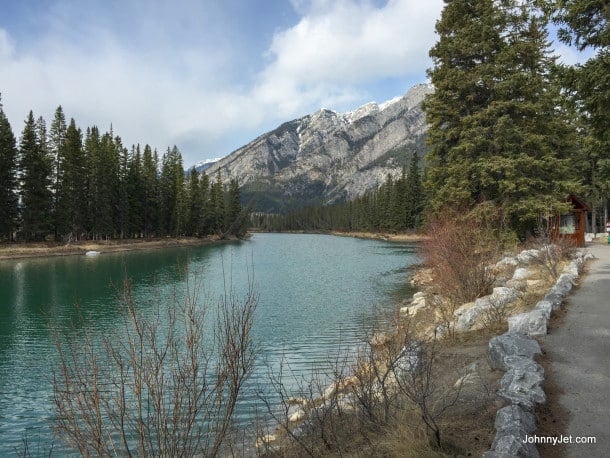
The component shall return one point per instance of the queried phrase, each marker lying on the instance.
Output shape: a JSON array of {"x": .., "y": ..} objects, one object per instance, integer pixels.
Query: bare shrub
[
  {"x": 162, "y": 386},
  {"x": 551, "y": 257},
  {"x": 459, "y": 251},
  {"x": 389, "y": 382},
  {"x": 495, "y": 318}
]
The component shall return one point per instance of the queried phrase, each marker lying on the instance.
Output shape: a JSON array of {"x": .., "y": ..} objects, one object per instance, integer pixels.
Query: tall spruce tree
[
  {"x": 150, "y": 213},
  {"x": 71, "y": 210},
  {"x": 57, "y": 142},
  {"x": 36, "y": 167},
  {"x": 496, "y": 132},
  {"x": 8, "y": 178}
]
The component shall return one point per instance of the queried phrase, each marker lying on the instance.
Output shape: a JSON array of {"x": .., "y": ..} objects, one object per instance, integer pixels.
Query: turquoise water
[{"x": 317, "y": 294}]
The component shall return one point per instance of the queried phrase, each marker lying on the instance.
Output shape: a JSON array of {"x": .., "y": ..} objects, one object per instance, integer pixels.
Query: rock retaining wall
[{"x": 514, "y": 352}]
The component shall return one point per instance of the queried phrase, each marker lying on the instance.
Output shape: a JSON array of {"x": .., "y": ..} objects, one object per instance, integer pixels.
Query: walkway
[{"x": 579, "y": 353}]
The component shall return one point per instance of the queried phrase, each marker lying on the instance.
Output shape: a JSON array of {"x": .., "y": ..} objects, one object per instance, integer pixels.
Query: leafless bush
[
  {"x": 387, "y": 380},
  {"x": 162, "y": 386},
  {"x": 551, "y": 251},
  {"x": 459, "y": 250},
  {"x": 495, "y": 317}
]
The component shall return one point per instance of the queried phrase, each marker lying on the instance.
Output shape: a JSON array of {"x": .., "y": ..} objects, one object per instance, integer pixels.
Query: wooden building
[{"x": 572, "y": 225}]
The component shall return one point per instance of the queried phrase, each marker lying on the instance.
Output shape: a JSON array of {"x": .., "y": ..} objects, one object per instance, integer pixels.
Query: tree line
[
  {"x": 60, "y": 184},
  {"x": 396, "y": 206}
]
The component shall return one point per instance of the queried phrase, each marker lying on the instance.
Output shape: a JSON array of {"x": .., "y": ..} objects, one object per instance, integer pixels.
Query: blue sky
[{"x": 207, "y": 75}]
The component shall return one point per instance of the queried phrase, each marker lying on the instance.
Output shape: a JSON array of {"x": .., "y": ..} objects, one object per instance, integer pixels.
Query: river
[{"x": 317, "y": 293}]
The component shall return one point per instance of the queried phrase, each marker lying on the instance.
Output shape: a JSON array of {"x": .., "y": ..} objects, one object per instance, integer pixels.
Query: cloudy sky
[{"x": 207, "y": 75}]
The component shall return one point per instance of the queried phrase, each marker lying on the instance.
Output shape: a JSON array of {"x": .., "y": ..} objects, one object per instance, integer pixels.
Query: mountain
[
  {"x": 327, "y": 157},
  {"x": 201, "y": 166}
]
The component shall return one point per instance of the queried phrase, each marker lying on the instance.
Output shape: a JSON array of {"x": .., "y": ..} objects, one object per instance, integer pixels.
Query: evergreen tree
[
  {"x": 496, "y": 133},
  {"x": 150, "y": 214},
  {"x": 36, "y": 168},
  {"x": 195, "y": 205},
  {"x": 135, "y": 193},
  {"x": 584, "y": 23},
  {"x": 57, "y": 142},
  {"x": 216, "y": 206},
  {"x": 71, "y": 209},
  {"x": 414, "y": 195},
  {"x": 172, "y": 193},
  {"x": 8, "y": 178}
]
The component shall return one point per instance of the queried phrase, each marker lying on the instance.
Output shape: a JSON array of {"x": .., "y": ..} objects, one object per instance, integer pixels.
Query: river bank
[{"x": 44, "y": 249}]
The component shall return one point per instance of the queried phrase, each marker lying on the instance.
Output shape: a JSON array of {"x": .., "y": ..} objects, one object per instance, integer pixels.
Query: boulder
[
  {"x": 296, "y": 413},
  {"x": 506, "y": 261},
  {"x": 527, "y": 257},
  {"x": 468, "y": 314},
  {"x": 409, "y": 360},
  {"x": 522, "y": 274},
  {"x": 554, "y": 298},
  {"x": 511, "y": 418},
  {"x": 522, "y": 382},
  {"x": 532, "y": 323},
  {"x": 511, "y": 344},
  {"x": 546, "y": 307},
  {"x": 502, "y": 296}
]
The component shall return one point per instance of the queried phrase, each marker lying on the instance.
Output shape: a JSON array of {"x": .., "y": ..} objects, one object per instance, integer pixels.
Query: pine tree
[
  {"x": 415, "y": 198},
  {"x": 71, "y": 209},
  {"x": 36, "y": 168},
  {"x": 8, "y": 178},
  {"x": 150, "y": 213},
  {"x": 584, "y": 23},
  {"x": 135, "y": 193},
  {"x": 57, "y": 142},
  {"x": 172, "y": 193},
  {"x": 496, "y": 133},
  {"x": 195, "y": 207}
]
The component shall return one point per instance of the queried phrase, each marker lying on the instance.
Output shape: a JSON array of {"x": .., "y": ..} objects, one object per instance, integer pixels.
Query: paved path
[{"x": 579, "y": 352}]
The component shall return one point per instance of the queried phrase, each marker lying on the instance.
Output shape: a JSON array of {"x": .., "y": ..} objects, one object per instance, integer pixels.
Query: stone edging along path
[{"x": 521, "y": 385}]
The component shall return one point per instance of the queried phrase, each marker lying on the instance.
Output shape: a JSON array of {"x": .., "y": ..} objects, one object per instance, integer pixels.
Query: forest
[
  {"x": 61, "y": 185},
  {"x": 396, "y": 206}
]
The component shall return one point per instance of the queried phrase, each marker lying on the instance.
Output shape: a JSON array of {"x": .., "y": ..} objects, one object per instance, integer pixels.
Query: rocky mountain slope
[{"x": 327, "y": 156}]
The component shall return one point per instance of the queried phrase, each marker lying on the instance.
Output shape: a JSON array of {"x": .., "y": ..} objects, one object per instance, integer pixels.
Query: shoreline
[
  {"x": 400, "y": 237},
  {"x": 18, "y": 250},
  {"x": 10, "y": 251}
]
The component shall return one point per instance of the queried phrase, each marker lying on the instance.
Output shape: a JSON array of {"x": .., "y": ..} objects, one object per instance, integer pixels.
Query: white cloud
[
  {"x": 185, "y": 92},
  {"x": 340, "y": 45}
]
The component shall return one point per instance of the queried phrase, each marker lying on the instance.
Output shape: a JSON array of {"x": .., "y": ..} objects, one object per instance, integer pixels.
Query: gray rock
[
  {"x": 466, "y": 318},
  {"x": 554, "y": 298},
  {"x": 513, "y": 417},
  {"x": 522, "y": 383},
  {"x": 511, "y": 344},
  {"x": 522, "y": 274},
  {"x": 409, "y": 360},
  {"x": 532, "y": 323},
  {"x": 507, "y": 261},
  {"x": 563, "y": 286},
  {"x": 527, "y": 257},
  {"x": 511, "y": 446},
  {"x": 546, "y": 307},
  {"x": 502, "y": 296},
  {"x": 518, "y": 285}
]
